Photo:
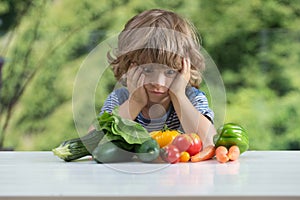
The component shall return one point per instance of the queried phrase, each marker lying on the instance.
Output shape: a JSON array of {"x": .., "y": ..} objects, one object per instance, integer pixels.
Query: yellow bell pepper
[{"x": 164, "y": 136}]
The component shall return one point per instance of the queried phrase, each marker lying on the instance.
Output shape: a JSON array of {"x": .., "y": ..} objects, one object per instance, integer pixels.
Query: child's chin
[{"x": 158, "y": 99}]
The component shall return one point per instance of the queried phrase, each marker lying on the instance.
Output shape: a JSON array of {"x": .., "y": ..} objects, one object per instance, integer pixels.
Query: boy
[{"x": 159, "y": 61}]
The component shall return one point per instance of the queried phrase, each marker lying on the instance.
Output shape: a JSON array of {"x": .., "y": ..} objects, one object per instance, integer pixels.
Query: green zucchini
[
  {"x": 147, "y": 151},
  {"x": 76, "y": 148},
  {"x": 110, "y": 152}
]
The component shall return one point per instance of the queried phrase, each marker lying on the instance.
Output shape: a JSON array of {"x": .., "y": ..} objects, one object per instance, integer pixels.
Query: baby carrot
[
  {"x": 221, "y": 150},
  {"x": 221, "y": 154},
  {"x": 233, "y": 153}
]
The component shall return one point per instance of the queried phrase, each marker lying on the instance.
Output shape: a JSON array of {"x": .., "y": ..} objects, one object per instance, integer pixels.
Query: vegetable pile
[
  {"x": 230, "y": 141},
  {"x": 121, "y": 140}
]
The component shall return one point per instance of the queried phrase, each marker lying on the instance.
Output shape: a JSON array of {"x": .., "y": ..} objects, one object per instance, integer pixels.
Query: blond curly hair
[{"x": 158, "y": 36}]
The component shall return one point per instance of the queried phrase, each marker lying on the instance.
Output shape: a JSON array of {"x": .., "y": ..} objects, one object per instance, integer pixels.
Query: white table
[{"x": 257, "y": 174}]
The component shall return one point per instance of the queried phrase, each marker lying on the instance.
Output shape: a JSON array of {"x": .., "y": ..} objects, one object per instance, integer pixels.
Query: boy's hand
[
  {"x": 135, "y": 85},
  {"x": 182, "y": 79}
]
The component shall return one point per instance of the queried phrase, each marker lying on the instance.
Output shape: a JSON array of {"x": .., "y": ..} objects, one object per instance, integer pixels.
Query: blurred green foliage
[{"x": 255, "y": 45}]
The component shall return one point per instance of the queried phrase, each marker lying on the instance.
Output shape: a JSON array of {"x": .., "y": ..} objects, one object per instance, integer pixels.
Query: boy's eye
[
  {"x": 170, "y": 72},
  {"x": 147, "y": 69}
]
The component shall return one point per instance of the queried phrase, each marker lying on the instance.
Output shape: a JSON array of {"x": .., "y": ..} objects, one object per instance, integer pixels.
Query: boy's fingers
[
  {"x": 130, "y": 72},
  {"x": 137, "y": 74},
  {"x": 183, "y": 66},
  {"x": 188, "y": 64},
  {"x": 132, "y": 69},
  {"x": 141, "y": 81},
  {"x": 186, "y": 69},
  {"x": 134, "y": 77}
]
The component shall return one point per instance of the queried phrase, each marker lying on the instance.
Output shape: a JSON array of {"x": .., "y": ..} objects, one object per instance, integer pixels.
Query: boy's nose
[{"x": 159, "y": 79}]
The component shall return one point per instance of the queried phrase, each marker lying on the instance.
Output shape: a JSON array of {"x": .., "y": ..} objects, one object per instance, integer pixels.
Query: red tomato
[
  {"x": 182, "y": 142},
  {"x": 170, "y": 154},
  {"x": 196, "y": 145}
]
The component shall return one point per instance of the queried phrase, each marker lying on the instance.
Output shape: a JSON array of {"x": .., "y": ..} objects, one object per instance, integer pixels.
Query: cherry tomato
[
  {"x": 170, "y": 154},
  {"x": 196, "y": 145},
  {"x": 184, "y": 156},
  {"x": 182, "y": 142}
]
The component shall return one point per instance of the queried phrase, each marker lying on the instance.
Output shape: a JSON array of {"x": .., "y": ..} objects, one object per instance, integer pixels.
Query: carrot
[
  {"x": 206, "y": 154},
  {"x": 221, "y": 150},
  {"x": 222, "y": 158},
  {"x": 221, "y": 154},
  {"x": 234, "y": 152}
]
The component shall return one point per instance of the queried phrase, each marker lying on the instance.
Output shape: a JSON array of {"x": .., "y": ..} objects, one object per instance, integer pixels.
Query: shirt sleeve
[
  {"x": 114, "y": 99},
  {"x": 200, "y": 102}
]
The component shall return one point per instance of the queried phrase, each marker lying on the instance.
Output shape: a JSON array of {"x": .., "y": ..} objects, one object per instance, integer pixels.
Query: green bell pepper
[{"x": 232, "y": 134}]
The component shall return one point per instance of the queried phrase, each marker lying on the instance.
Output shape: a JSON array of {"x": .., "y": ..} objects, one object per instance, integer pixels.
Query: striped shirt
[{"x": 197, "y": 98}]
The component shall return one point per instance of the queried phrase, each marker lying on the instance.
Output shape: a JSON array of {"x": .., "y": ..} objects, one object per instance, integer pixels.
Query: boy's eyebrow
[{"x": 159, "y": 67}]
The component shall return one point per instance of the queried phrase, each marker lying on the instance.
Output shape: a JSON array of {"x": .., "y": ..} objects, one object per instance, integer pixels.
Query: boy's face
[{"x": 158, "y": 79}]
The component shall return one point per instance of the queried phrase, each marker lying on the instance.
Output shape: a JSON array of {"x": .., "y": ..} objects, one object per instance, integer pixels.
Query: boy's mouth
[{"x": 157, "y": 92}]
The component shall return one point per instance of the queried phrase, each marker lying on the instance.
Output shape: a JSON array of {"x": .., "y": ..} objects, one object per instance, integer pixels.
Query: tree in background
[
  {"x": 256, "y": 46},
  {"x": 10, "y": 19},
  {"x": 39, "y": 44}
]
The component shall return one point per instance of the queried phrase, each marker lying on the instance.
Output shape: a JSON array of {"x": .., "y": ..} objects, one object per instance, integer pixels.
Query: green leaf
[{"x": 118, "y": 128}]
